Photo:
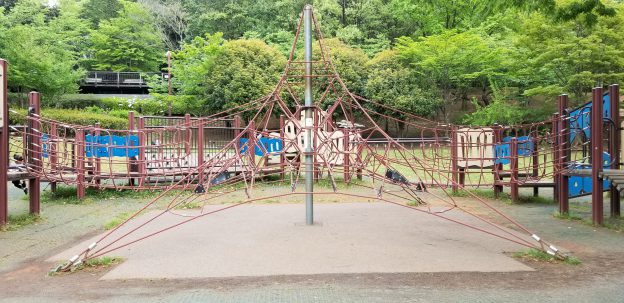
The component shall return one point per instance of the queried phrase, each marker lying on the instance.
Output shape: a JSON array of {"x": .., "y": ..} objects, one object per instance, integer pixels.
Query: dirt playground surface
[{"x": 25, "y": 253}]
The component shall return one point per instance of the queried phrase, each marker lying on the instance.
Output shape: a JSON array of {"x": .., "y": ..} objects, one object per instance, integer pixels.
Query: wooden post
[
  {"x": 596, "y": 156},
  {"x": 200, "y": 150},
  {"x": 513, "y": 151},
  {"x": 4, "y": 145},
  {"x": 283, "y": 152},
  {"x": 616, "y": 145},
  {"x": 346, "y": 155},
  {"x": 80, "y": 163},
  {"x": 34, "y": 151},
  {"x": 563, "y": 154}
]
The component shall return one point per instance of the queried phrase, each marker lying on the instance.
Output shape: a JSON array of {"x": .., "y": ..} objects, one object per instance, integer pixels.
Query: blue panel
[
  {"x": 44, "y": 139},
  {"x": 583, "y": 185},
  {"x": 111, "y": 146},
  {"x": 580, "y": 117},
  {"x": 262, "y": 146},
  {"x": 502, "y": 151}
]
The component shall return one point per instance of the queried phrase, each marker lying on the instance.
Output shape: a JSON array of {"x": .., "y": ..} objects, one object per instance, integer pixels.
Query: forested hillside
[{"x": 506, "y": 59}]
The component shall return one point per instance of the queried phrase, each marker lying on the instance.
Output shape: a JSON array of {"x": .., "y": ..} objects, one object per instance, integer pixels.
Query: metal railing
[{"x": 118, "y": 79}]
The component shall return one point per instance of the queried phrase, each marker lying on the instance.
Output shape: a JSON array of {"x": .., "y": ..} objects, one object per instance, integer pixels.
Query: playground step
[{"x": 588, "y": 172}]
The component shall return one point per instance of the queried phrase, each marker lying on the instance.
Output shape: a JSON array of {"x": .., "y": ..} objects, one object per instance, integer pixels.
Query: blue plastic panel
[
  {"x": 580, "y": 117},
  {"x": 111, "y": 146},
  {"x": 578, "y": 186},
  {"x": 502, "y": 151},
  {"x": 263, "y": 145}
]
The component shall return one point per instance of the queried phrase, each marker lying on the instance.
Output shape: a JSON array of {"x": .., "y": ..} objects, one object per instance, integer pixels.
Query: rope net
[{"x": 200, "y": 160}]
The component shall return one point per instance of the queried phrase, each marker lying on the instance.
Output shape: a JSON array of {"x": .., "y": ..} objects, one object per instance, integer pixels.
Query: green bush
[
  {"x": 157, "y": 105},
  {"x": 73, "y": 116},
  {"x": 75, "y": 101}
]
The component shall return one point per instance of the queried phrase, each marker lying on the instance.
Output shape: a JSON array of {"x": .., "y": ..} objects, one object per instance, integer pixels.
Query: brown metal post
[
  {"x": 454, "y": 166},
  {"x": 200, "y": 149},
  {"x": 346, "y": 155},
  {"x": 555, "y": 151},
  {"x": 596, "y": 156},
  {"x": 4, "y": 145},
  {"x": 189, "y": 135},
  {"x": 97, "y": 169},
  {"x": 564, "y": 154},
  {"x": 317, "y": 168},
  {"x": 34, "y": 151},
  {"x": 535, "y": 155},
  {"x": 142, "y": 165},
  {"x": 80, "y": 163},
  {"x": 358, "y": 159},
  {"x": 52, "y": 151},
  {"x": 131, "y": 162},
  {"x": 237, "y": 125},
  {"x": 251, "y": 146},
  {"x": 283, "y": 153},
  {"x": 616, "y": 144},
  {"x": 513, "y": 151},
  {"x": 498, "y": 167},
  {"x": 169, "y": 74}
]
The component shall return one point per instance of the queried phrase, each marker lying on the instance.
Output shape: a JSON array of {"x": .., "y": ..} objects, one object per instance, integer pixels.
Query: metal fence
[{"x": 118, "y": 79}]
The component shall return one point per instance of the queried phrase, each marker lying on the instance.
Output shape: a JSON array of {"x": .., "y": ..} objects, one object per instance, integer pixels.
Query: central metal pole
[{"x": 309, "y": 116}]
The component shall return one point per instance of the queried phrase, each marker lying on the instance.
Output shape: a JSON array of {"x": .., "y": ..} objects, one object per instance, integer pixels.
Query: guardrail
[{"x": 118, "y": 79}]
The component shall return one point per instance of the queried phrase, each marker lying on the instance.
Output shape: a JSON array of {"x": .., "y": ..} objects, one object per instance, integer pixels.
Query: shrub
[{"x": 73, "y": 116}]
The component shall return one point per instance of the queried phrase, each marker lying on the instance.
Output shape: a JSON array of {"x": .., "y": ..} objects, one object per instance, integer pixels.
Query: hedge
[{"x": 74, "y": 116}]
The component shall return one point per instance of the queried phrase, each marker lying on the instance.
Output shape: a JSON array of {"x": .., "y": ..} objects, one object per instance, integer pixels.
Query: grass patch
[
  {"x": 67, "y": 195},
  {"x": 567, "y": 216},
  {"x": 102, "y": 262},
  {"x": 616, "y": 224},
  {"x": 190, "y": 205},
  {"x": 536, "y": 200},
  {"x": 413, "y": 203},
  {"x": 91, "y": 265},
  {"x": 504, "y": 197},
  {"x": 540, "y": 256},
  {"x": 18, "y": 221},
  {"x": 117, "y": 220}
]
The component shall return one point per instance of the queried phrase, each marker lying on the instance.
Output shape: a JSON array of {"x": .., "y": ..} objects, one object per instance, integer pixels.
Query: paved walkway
[
  {"x": 23, "y": 266},
  {"x": 267, "y": 240}
]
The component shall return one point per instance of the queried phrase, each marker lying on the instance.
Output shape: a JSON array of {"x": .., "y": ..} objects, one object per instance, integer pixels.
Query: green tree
[
  {"x": 394, "y": 85},
  {"x": 349, "y": 62},
  {"x": 226, "y": 73},
  {"x": 243, "y": 71},
  {"x": 129, "y": 42},
  {"x": 193, "y": 63},
  {"x": 42, "y": 52},
  {"x": 555, "y": 57},
  {"x": 96, "y": 11},
  {"x": 454, "y": 62}
]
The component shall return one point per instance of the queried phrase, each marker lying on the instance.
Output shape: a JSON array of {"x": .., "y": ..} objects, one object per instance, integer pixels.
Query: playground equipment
[
  {"x": 211, "y": 157},
  {"x": 595, "y": 170},
  {"x": 28, "y": 153}
]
